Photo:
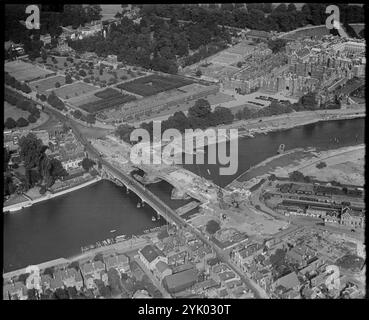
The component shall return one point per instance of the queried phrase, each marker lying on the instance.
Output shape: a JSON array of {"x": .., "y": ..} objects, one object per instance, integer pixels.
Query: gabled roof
[
  {"x": 289, "y": 281},
  {"x": 161, "y": 266}
]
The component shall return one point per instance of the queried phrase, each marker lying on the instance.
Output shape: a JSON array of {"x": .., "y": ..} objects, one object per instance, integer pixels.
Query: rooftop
[{"x": 151, "y": 252}]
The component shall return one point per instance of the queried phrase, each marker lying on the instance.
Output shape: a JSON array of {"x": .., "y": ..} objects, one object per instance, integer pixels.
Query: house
[
  {"x": 90, "y": 282},
  {"x": 315, "y": 212},
  {"x": 180, "y": 281},
  {"x": 119, "y": 262},
  {"x": 289, "y": 281},
  {"x": 226, "y": 276},
  {"x": 150, "y": 255},
  {"x": 162, "y": 270},
  {"x": 33, "y": 281},
  {"x": 70, "y": 278},
  {"x": 318, "y": 279},
  {"x": 222, "y": 293},
  {"x": 56, "y": 284},
  {"x": 92, "y": 269},
  {"x": 352, "y": 218},
  {"x": 16, "y": 291},
  {"x": 45, "y": 281},
  {"x": 104, "y": 277}
]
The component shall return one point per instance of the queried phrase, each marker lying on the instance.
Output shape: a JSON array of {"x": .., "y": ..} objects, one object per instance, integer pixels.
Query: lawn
[
  {"x": 45, "y": 84},
  {"x": 24, "y": 71},
  {"x": 153, "y": 84},
  {"x": 11, "y": 111},
  {"x": 73, "y": 90}
]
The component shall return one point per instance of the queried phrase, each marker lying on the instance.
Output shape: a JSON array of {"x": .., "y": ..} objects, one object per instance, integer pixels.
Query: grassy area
[
  {"x": 11, "y": 111},
  {"x": 24, "y": 71},
  {"x": 153, "y": 84},
  {"x": 73, "y": 90},
  {"x": 45, "y": 84}
]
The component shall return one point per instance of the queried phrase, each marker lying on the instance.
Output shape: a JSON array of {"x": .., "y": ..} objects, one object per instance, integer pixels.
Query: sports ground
[
  {"x": 24, "y": 71},
  {"x": 153, "y": 84}
]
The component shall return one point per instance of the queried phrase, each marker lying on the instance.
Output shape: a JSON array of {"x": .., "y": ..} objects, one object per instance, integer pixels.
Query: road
[{"x": 151, "y": 198}]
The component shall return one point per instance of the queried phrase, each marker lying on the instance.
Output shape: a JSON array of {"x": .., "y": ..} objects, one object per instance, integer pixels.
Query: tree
[
  {"x": 201, "y": 109},
  {"x": 222, "y": 115},
  {"x": 23, "y": 277},
  {"x": 277, "y": 45},
  {"x": 212, "y": 227},
  {"x": 56, "y": 169},
  {"x": 82, "y": 73},
  {"x": 321, "y": 165},
  {"x": 296, "y": 176},
  {"x": 25, "y": 88},
  {"x": 21, "y": 122},
  {"x": 87, "y": 164},
  {"x": 198, "y": 73},
  {"x": 57, "y": 85},
  {"x": 30, "y": 150},
  {"x": 99, "y": 257},
  {"x": 72, "y": 292},
  {"x": 43, "y": 55},
  {"x": 75, "y": 265},
  {"x": 124, "y": 132},
  {"x": 10, "y": 123},
  {"x": 61, "y": 294},
  {"x": 32, "y": 118}
]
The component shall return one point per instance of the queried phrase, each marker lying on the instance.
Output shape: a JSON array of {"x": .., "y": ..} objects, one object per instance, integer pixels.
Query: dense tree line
[
  {"x": 24, "y": 104},
  {"x": 72, "y": 15},
  {"x": 14, "y": 83},
  {"x": 55, "y": 101},
  {"x": 200, "y": 116},
  {"x": 40, "y": 169},
  {"x": 258, "y": 16},
  {"x": 154, "y": 43}
]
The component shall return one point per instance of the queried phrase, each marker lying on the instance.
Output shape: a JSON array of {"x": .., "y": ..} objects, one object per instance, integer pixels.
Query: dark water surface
[{"x": 59, "y": 227}]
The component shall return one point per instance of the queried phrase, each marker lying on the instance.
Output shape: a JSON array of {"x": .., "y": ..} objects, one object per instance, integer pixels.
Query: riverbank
[
  {"x": 303, "y": 160},
  {"x": 29, "y": 203},
  {"x": 119, "y": 247},
  {"x": 265, "y": 125},
  {"x": 292, "y": 120}
]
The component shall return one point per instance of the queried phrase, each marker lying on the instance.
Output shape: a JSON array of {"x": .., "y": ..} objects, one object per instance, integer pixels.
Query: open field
[
  {"x": 108, "y": 98},
  {"x": 153, "y": 84},
  {"x": 43, "y": 85},
  {"x": 83, "y": 99},
  {"x": 73, "y": 90},
  {"x": 24, "y": 71},
  {"x": 345, "y": 167},
  {"x": 14, "y": 112}
]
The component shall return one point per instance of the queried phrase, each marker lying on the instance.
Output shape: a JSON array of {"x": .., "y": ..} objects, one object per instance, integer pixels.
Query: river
[{"x": 59, "y": 227}]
